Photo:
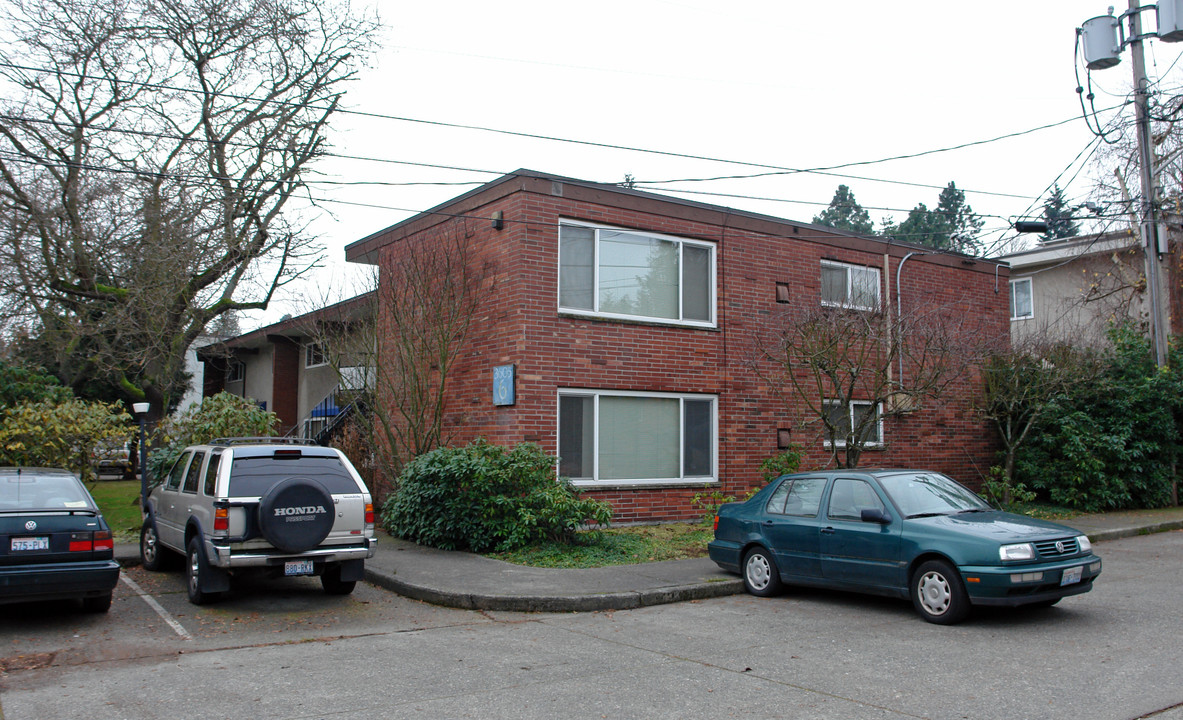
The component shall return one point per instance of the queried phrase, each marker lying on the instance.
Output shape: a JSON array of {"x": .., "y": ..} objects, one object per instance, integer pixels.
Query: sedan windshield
[{"x": 920, "y": 494}]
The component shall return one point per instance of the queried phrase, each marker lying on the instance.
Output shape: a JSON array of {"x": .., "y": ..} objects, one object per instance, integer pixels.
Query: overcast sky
[{"x": 786, "y": 84}]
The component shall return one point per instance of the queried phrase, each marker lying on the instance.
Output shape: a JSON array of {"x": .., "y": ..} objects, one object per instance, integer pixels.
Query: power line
[{"x": 773, "y": 169}]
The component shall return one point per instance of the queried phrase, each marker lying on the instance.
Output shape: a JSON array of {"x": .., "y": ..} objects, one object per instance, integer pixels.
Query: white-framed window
[
  {"x": 1022, "y": 304},
  {"x": 610, "y": 272},
  {"x": 622, "y": 438},
  {"x": 235, "y": 371},
  {"x": 846, "y": 417},
  {"x": 314, "y": 355},
  {"x": 850, "y": 286}
]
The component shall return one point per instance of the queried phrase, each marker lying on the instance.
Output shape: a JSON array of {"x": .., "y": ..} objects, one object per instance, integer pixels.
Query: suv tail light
[
  {"x": 221, "y": 518},
  {"x": 369, "y": 513}
]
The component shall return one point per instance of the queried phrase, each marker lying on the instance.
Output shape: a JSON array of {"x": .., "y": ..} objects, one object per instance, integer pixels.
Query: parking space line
[{"x": 172, "y": 622}]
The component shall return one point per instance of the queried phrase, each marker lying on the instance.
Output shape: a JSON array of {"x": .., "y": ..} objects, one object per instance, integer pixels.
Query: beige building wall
[{"x": 1078, "y": 288}]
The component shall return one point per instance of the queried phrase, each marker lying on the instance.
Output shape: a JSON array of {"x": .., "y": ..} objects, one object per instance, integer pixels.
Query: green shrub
[
  {"x": 1111, "y": 443},
  {"x": 218, "y": 416},
  {"x": 20, "y": 384},
  {"x": 52, "y": 433},
  {"x": 1003, "y": 494},
  {"x": 781, "y": 464},
  {"x": 708, "y": 503},
  {"x": 485, "y": 498}
]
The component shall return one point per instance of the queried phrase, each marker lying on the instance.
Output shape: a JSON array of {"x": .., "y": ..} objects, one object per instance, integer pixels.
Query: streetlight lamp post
[{"x": 141, "y": 410}]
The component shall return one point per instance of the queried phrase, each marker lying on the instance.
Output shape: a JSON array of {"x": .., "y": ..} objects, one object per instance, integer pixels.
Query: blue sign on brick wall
[{"x": 503, "y": 382}]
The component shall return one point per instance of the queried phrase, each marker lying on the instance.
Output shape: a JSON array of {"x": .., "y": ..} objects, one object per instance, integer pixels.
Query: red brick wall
[{"x": 520, "y": 324}]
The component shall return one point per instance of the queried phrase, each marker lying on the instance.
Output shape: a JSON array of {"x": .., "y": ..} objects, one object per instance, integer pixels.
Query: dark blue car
[
  {"x": 904, "y": 533},
  {"x": 54, "y": 543}
]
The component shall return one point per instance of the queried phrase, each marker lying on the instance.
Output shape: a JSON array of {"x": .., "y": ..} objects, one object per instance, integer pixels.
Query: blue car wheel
[{"x": 760, "y": 574}]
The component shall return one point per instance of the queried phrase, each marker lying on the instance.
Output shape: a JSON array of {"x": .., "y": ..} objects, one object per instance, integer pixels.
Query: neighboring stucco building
[
  {"x": 284, "y": 367},
  {"x": 619, "y": 328},
  {"x": 1072, "y": 290}
]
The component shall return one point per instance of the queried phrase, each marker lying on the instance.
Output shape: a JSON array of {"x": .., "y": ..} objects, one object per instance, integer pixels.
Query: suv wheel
[
  {"x": 296, "y": 514},
  {"x": 332, "y": 582},
  {"x": 196, "y": 570},
  {"x": 152, "y": 553}
]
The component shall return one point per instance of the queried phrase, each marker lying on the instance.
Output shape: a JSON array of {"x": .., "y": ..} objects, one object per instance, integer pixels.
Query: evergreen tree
[
  {"x": 1058, "y": 215},
  {"x": 844, "y": 213},
  {"x": 964, "y": 224},
  {"x": 953, "y": 225}
]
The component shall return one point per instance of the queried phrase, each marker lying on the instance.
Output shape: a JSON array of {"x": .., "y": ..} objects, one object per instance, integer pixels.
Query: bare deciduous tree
[
  {"x": 147, "y": 153},
  {"x": 826, "y": 363},
  {"x": 421, "y": 307}
]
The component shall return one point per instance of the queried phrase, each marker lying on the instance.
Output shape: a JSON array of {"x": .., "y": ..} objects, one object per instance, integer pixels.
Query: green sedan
[{"x": 905, "y": 533}]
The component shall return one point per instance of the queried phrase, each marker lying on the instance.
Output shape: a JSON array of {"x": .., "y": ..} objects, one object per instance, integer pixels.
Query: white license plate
[
  {"x": 1071, "y": 575},
  {"x": 26, "y": 544},
  {"x": 297, "y": 567}
]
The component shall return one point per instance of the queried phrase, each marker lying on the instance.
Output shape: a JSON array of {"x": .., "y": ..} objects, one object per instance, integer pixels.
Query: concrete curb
[
  {"x": 554, "y": 603},
  {"x": 1135, "y": 530}
]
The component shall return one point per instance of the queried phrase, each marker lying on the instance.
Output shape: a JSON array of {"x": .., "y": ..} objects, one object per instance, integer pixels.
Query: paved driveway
[{"x": 287, "y": 651}]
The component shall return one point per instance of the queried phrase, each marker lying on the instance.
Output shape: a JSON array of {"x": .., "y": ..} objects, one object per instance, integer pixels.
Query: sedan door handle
[{"x": 827, "y": 531}]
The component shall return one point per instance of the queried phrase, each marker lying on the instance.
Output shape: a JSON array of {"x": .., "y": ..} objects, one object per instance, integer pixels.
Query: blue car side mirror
[{"x": 875, "y": 515}]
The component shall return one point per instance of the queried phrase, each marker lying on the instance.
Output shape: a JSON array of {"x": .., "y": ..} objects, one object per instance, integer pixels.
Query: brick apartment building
[{"x": 618, "y": 325}]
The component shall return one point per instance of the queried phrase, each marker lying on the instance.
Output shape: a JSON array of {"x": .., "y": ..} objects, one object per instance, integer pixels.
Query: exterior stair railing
[{"x": 328, "y": 416}]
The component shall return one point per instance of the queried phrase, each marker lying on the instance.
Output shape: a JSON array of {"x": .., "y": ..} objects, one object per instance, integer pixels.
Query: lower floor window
[
  {"x": 858, "y": 415},
  {"x": 618, "y": 437}
]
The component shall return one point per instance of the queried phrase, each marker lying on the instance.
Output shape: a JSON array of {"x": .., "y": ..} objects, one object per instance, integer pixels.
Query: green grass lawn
[
  {"x": 618, "y": 546},
  {"x": 119, "y": 501}
]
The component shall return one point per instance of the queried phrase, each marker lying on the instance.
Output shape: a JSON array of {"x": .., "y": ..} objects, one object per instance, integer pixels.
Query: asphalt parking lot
[{"x": 284, "y": 650}]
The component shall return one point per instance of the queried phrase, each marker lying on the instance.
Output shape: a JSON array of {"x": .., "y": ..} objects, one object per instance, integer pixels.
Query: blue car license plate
[
  {"x": 1071, "y": 576},
  {"x": 297, "y": 567},
  {"x": 26, "y": 544}
]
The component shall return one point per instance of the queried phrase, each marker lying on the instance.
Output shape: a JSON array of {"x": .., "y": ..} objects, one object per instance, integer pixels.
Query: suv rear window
[{"x": 254, "y": 476}]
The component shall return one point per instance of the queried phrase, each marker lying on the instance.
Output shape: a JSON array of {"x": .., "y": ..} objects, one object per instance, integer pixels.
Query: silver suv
[{"x": 271, "y": 505}]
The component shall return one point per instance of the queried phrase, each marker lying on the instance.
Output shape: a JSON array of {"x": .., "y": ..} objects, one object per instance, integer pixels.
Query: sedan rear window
[
  {"x": 800, "y": 497},
  {"x": 254, "y": 476},
  {"x": 42, "y": 492}
]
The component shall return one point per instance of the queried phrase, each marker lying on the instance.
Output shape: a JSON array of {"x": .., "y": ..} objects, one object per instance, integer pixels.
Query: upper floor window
[
  {"x": 235, "y": 371},
  {"x": 1021, "y": 304},
  {"x": 627, "y": 274},
  {"x": 314, "y": 355},
  {"x": 850, "y": 286}
]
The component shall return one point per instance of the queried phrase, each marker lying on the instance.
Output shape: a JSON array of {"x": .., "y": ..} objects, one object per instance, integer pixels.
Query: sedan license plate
[
  {"x": 1071, "y": 575},
  {"x": 25, "y": 544},
  {"x": 297, "y": 567}
]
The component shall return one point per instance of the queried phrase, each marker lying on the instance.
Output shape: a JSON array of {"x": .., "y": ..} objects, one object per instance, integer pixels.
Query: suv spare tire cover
[{"x": 296, "y": 514}]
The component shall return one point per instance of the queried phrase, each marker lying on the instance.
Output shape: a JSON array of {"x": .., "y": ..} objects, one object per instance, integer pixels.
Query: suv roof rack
[{"x": 262, "y": 441}]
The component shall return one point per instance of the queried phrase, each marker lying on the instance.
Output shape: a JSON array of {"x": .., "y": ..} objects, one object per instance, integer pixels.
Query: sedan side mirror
[{"x": 875, "y": 515}]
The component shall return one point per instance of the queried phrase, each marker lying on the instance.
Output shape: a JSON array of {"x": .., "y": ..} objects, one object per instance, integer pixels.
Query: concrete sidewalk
[{"x": 465, "y": 580}]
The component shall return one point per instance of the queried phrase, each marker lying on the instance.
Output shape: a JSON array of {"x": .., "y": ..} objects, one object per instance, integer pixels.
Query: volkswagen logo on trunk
[{"x": 30, "y": 525}]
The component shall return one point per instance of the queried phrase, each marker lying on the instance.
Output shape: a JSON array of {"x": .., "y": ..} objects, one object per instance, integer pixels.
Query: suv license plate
[
  {"x": 26, "y": 544},
  {"x": 304, "y": 567},
  {"x": 1071, "y": 575}
]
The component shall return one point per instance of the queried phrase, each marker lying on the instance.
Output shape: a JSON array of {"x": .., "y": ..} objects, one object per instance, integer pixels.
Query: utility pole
[{"x": 1149, "y": 214}]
